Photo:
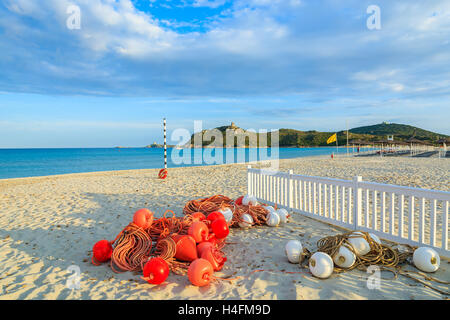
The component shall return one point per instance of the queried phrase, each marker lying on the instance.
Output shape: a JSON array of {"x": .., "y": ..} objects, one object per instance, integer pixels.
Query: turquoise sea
[{"x": 17, "y": 163}]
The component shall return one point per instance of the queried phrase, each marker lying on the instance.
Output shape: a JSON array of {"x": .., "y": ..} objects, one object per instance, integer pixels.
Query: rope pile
[
  {"x": 382, "y": 255},
  {"x": 208, "y": 205},
  {"x": 147, "y": 238},
  {"x": 134, "y": 246},
  {"x": 220, "y": 202},
  {"x": 258, "y": 213}
]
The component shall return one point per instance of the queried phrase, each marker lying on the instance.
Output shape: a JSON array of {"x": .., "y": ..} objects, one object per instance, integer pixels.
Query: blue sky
[{"x": 264, "y": 64}]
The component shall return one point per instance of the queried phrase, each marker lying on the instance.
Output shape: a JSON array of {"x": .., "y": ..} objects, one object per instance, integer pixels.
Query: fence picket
[
  {"x": 400, "y": 216},
  {"x": 392, "y": 213},
  {"x": 445, "y": 225},
  {"x": 433, "y": 223},
  {"x": 374, "y": 214},
  {"x": 411, "y": 219},
  {"x": 422, "y": 221}
]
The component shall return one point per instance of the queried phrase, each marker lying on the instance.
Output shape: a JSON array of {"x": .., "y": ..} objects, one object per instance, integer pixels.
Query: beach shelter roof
[
  {"x": 360, "y": 142},
  {"x": 417, "y": 141},
  {"x": 389, "y": 142}
]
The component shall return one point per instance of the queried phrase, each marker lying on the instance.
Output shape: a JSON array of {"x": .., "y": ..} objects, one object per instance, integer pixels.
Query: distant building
[{"x": 390, "y": 137}]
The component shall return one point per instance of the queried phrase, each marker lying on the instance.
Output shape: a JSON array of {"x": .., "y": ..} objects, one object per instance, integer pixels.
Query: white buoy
[
  {"x": 227, "y": 214},
  {"x": 293, "y": 251},
  {"x": 270, "y": 208},
  {"x": 375, "y": 238},
  {"x": 247, "y": 221},
  {"x": 344, "y": 258},
  {"x": 359, "y": 244},
  {"x": 273, "y": 219},
  {"x": 284, "y": 215},
  {"x": 249, "y": 200},
  {"x": 426, "y": 259},
  {"x": 321, "y": 265},
  {"x": 246, "y": 199}
]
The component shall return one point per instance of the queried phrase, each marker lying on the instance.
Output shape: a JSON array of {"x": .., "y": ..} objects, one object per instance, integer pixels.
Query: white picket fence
[{"x": 414, "y": 216}]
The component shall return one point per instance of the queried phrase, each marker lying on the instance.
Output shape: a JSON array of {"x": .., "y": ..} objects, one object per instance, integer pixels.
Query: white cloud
[
  {"x": 209, "y": 3},
  {"x": 257, "y": 46}
]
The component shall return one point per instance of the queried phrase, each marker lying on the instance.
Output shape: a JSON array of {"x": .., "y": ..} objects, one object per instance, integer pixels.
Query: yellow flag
[{"x": 331, "y": 139}]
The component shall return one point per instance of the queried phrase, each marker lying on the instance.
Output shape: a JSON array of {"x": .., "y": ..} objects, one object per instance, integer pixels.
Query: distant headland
[{"x": 292, "y": 138}]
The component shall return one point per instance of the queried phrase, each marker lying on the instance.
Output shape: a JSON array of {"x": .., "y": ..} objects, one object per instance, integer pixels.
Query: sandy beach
[{"x": 48, "y": 224}]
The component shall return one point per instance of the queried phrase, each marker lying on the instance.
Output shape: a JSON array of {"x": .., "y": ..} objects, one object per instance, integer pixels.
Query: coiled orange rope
[
  {"x": 131, "y": 249},
  {"x": 208, "y": 205},
  {"x": 166, "y": 249}
]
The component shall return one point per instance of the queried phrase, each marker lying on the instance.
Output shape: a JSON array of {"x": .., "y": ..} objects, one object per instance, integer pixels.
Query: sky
[{"x": 264, "y": 64}]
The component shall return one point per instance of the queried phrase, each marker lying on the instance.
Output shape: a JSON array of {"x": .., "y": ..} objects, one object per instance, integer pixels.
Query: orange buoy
[
  {"x": 102, "y": 251},
  {"x": 199, "y": 231},
  {"x": 143, "y": 218},
  {"x": 186, "y": 248},
  {"x": 215, "y": 257},
  {"x": 220, "y": 228},
  {"x": 203, "y": 246},
  {"x": 156, "y": 271},
  {"x": 200, "y": 272},
  {"x": 198, "y": 216}
]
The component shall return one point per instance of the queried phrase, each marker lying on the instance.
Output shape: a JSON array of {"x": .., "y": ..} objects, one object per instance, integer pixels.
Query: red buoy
[
  {"x": 220, "y": 228},
  {"x": 212, "y": 238},
  {"x": 239, "y": 201},
  {"x": 162, "y": 174},
  {"x": 200, "y": 272},
  {"x": 156, "y": 271},
  {"x": 215, "y": 215},
  {"x": 102, "y": 251}
]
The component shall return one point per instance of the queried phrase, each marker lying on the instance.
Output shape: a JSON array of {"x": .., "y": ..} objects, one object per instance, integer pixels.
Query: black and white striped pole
[{"x": 163, "y": 172}]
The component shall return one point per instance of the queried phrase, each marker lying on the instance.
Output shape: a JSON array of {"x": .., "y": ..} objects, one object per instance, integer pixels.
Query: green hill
[
  {"x": 297, "y": 138},
  {"x": 400, "y": 132}
]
